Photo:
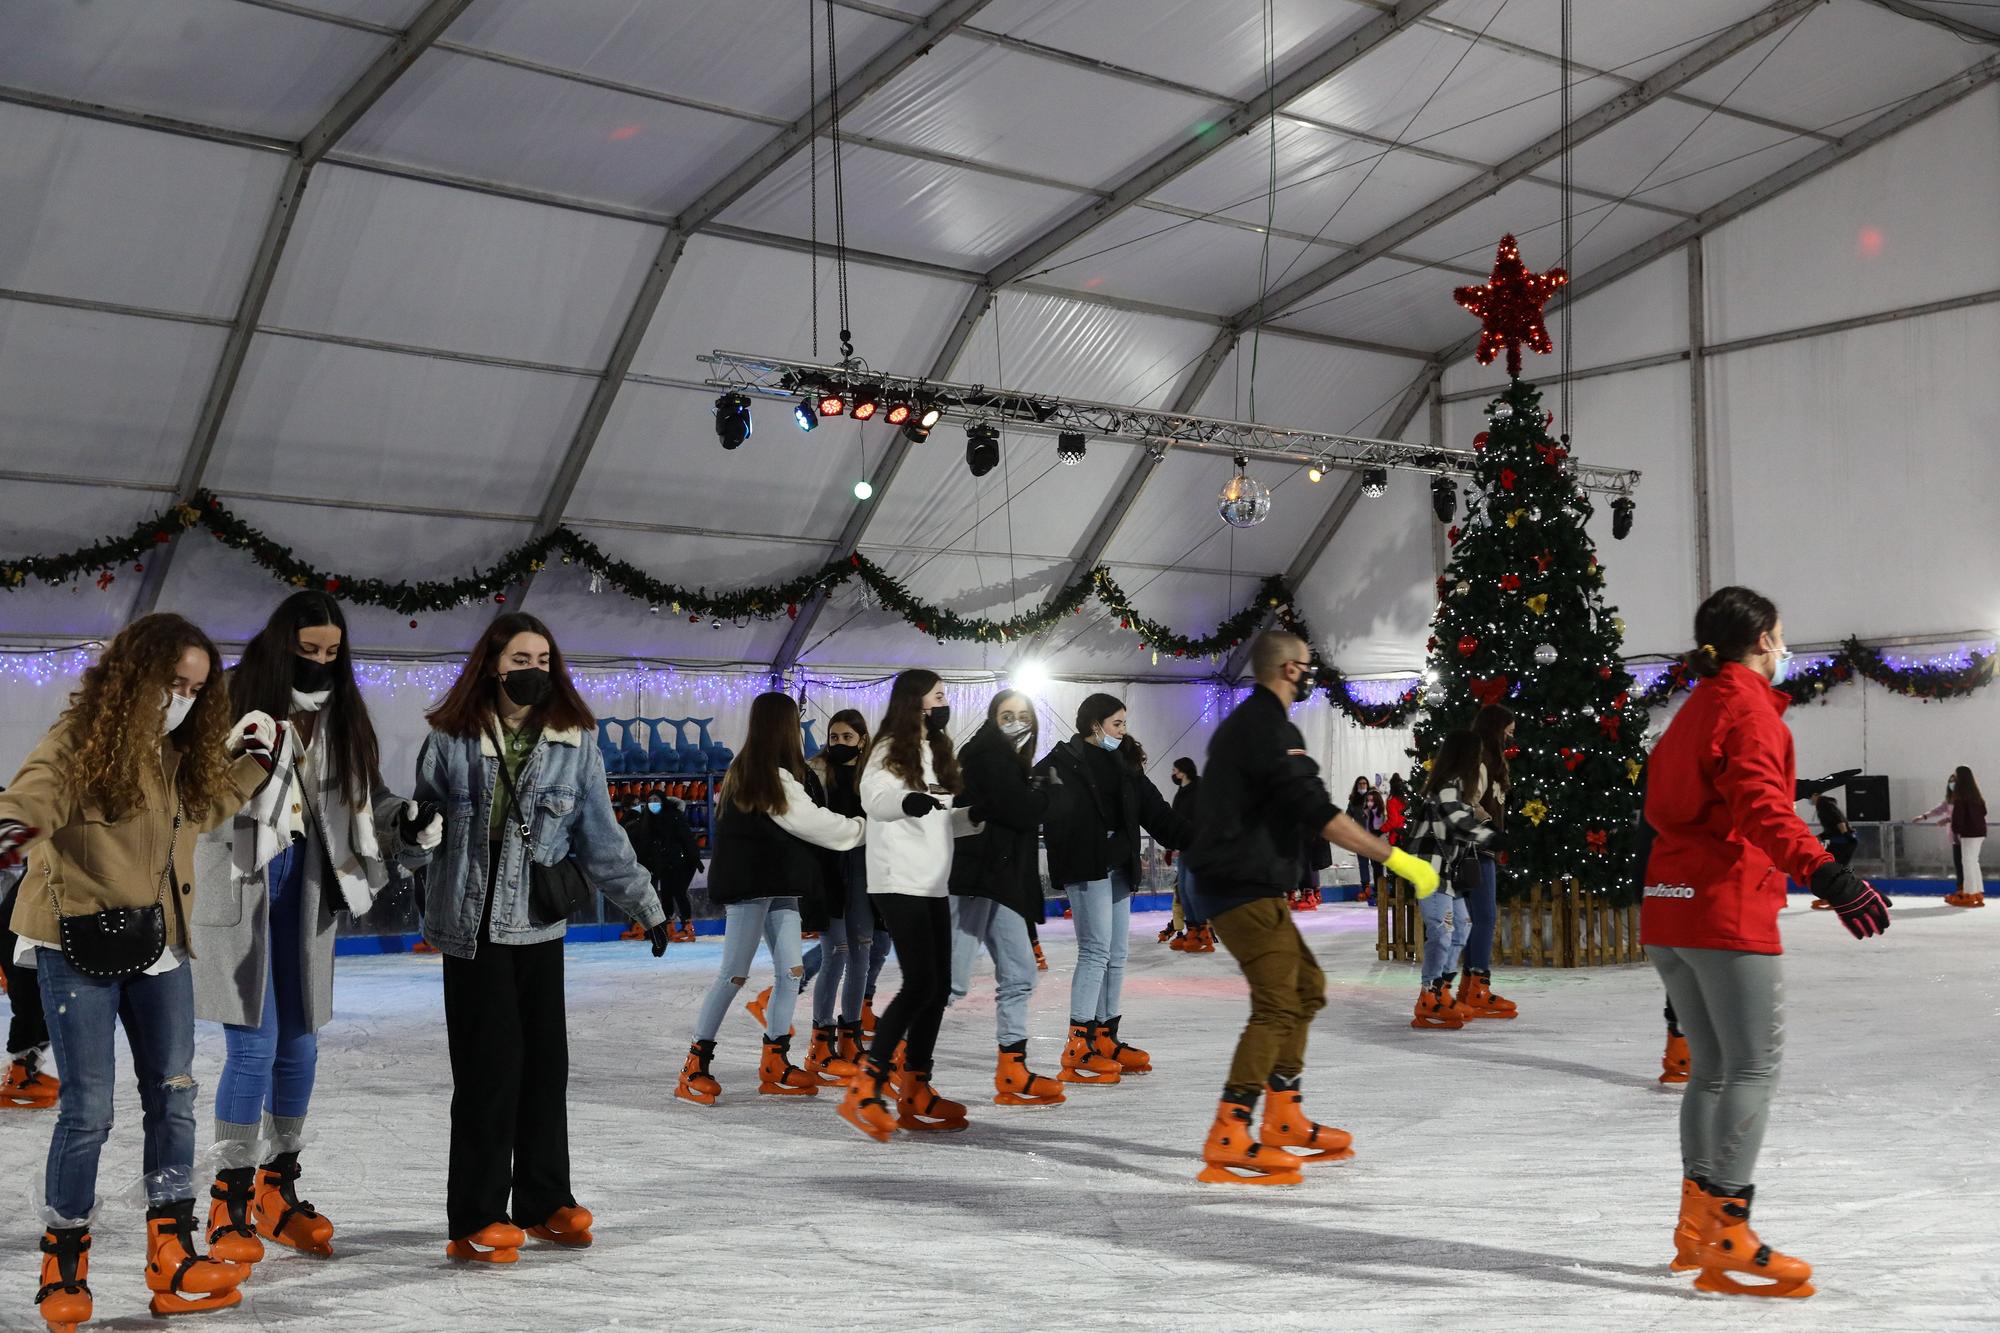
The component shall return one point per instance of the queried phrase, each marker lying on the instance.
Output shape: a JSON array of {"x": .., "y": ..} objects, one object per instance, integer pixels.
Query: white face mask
[
  {"x": 309, "y": 703},
  {"x": 177, "y": 709},
  {"x": 1014, "y": 730}
]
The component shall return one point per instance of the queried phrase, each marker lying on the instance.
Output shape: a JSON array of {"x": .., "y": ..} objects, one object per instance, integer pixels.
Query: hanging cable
[
  {"x": 1270, "y": 200},
  {"x": 839, "y": 185},
  {"x": 1568, "y": 211},
  {"x": 812, "y": 140}
]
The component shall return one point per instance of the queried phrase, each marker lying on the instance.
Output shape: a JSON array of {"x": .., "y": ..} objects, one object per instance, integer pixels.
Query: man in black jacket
[{"x": 1262, "y": 792}]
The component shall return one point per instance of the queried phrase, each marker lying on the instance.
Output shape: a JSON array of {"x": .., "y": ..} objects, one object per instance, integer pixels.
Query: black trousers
[
  {"x": 503, "y": 1014},
  {"x": 28, "y": 1028},
  {"x": 920, "y": 929},
  {"x": 673, "y": 890}
]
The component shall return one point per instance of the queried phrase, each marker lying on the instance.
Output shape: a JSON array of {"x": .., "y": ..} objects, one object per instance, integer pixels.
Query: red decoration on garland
[
  {"x": 1543, "y": 561},
  {"x": 1507, "y": 479},
  {"x": 1572, "y": 759},
  {"x": 1489, "y": 690},
  {"x": 1608, "y": 724},
  {"x": 333, "y": 585},
  {"x": 1467, "y": 646},
  {"x": 105, "y": 580},
  {"x": 792, "y": 610},
  {"x": 1598, "y": 840},
  {"x": 162, "y": 538},
  {"x": 1510, "y": 582},
  {"x": 500, "y": 599},
  {"x": 138, "y": 569},
  {"x": 1509, "y": 307},
  {"x": 413, "y": 624}
]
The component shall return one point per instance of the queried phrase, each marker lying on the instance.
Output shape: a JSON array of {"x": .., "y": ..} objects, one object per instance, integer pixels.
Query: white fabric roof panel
[
  {"x": 748, "y": 55},
  {"x": 732, "y": 296},
  {"x": 1049, "y": 344},
  {"x": 325, "y": 421},
  {"x": 1370, "y": 596},
  {"x": 1850, "y": 241},
  {"x": 657, "y": 461},
  {"x": 977, "y": 100},
  {"x": 852, "y": 633},
  {"x": 1680, "y": 156},
  {"x": 1320, "y": 182},
  {"x": 1631, "y": 39},
  {"x": 225, "y": 592},
  {"x": 1174, "y": 520},
  {"x": 89, "y": 394},
  {"x": 1388, "y": 301},
  {"x": 401, "y": 261},
  {"x": 1840, "y": 60},
  {"x": 493, "y": 122},
  {"x": 86, "y": 200},
  {"x": 907, "y": 206},
  {"x": 936, "y": 502},
  {"x": 214, "y": 62},
  {"x": 1416, "y": 88},
  {"x": 1213, "y": 44},
  {"x": 1148, "y": 255},
  {"x": 1533, "y": 213},
  {"x": 1308, "y": 385},
  {"x": 48, "y": 516}
]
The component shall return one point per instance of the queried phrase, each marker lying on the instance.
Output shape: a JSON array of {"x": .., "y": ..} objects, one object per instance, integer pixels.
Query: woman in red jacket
[{"x": 1719, "y": 799}]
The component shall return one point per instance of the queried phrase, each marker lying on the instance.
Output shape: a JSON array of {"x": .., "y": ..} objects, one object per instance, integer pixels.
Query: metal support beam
[
  {"x": 1583, "y": 128},
  {"x": 885, "y": 472},
  {"x": 1899, "y": 117},
  {"x": 1242, "y": 118},
  {"x": 898, "y": 56},
  {"x": 1704, "y": 551},
  {"x": 1972, "y": 32},
  {"x": 351, "y": 105}
]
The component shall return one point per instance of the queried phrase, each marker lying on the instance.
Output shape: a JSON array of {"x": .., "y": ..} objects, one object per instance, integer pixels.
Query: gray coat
[{"x": 231, "y": 923}]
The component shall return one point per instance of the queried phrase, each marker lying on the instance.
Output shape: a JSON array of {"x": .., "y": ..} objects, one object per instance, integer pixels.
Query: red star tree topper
[{"x": 1509, "y": 307}]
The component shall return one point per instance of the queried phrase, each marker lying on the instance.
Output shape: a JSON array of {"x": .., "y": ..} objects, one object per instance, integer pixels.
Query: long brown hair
[
  {"x": 261, "y": 682},
  {"x": 903, "y": 732},
  {"x": 1456, "y": 764},
  {"x": 752, "y": 783},
  {"x": 1965, "y": 790},
  {"x": 1490, "y": 726},
  {"x": 1024, "y": 752},
  {"x": 114, "y": 718},
  {"x": 468, "y": 704}
]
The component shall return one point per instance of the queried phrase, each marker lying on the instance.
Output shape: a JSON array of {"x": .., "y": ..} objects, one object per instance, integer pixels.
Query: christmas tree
[{"x": 1522, "y": 621}]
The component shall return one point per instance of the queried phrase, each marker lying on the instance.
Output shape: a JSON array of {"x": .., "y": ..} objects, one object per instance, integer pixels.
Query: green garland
[{"x": 1851, "y": 661}]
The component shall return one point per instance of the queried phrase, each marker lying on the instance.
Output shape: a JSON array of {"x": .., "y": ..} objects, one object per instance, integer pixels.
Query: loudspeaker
[{"x": 1868, "y": 799}]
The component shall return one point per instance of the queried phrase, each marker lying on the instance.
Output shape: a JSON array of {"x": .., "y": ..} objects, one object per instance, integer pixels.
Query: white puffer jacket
[{"x": 908, "y": 855}]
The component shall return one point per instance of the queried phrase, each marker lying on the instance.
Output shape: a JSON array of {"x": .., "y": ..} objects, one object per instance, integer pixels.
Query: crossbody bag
[
  {"x": 555, "y": 892},
  {"x": 118, "y": 941}
]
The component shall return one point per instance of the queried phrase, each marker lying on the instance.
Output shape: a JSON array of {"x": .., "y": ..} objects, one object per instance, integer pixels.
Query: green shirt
[{"x": 515, "y": 747}]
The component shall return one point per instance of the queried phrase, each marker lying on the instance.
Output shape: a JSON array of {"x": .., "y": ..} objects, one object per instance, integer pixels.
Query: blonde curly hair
[{"x": 114, "y": 718}]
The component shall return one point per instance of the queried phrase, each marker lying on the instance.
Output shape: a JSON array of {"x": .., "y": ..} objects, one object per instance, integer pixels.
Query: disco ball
[{"x": 1244, "y": 501}]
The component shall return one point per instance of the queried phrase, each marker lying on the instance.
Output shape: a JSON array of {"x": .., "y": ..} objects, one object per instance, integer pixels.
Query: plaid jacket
[{"x": 1443, "y": 827}]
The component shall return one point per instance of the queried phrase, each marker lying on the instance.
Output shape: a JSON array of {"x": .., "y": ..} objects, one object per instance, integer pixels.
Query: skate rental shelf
[{"x": 1334, "y": 446}]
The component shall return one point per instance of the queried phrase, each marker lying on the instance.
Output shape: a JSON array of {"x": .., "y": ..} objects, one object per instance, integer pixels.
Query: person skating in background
[
  {"x": 1835, "y": 834},
  {"x": 665, "y": 844},
  {"x": 1359, "y": 810},
  {"x": 772, "y": 827},
  {"x": 107, "y": 807},
  {"x": 1494, "y": 725},
  {"x": 1720, "y": 791},
  {"x": 908, "y": 782},
  {"x": 1261, "y": 791},
  {"x": 996, "y": 885},
  {"x": 28, "y": 1084},
  {"x": 1449, "y": 834},
  {"x": 528, "y": 830},
  {"x": 317, "y": 841},
  {"x": 1963, "y": 811},
  {"x": 1093, "y": 838},
  {"x": 840, "y": 963},
  {"x": 1395, "y": 818},
  {"x": 1192, "y": 933}
]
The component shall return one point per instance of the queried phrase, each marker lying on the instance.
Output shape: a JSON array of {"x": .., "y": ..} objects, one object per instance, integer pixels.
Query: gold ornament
[
  {"x": 1632, "y": 770},
  {"x": 1618, "y": 623},
  {"x": 1516, "y": 516},
  {"x": 1535, "y": 812},
  {"x": 1539, "y": 603}
]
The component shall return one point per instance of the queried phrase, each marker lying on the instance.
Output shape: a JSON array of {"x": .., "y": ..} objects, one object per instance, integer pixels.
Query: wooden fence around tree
[{"x": 1564, "y": 925}]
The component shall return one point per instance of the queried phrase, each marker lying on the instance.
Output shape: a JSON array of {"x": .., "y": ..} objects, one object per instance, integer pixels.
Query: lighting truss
[{"x": 1155, "y": 430}]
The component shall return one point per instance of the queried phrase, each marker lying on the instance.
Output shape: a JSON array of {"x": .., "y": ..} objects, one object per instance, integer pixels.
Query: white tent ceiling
[{"x": 384, "y": 274}]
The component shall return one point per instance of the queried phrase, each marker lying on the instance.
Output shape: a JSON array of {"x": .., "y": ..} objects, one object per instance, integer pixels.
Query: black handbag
[
  {"x": 1465, "y": 873},
  {"x": 555, "y": 892},
  {"x": 118, "y": 941}
]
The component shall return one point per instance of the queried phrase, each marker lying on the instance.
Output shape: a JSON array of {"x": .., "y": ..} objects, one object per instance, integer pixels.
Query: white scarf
[{"x": 351, "y": 845}]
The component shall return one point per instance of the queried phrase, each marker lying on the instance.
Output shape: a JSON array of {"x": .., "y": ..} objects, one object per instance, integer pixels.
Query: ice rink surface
[{"x": 1516, "y": 1175}]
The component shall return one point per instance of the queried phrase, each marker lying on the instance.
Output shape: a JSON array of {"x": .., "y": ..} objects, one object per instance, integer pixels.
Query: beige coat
[{"x": 94, "y": 861}]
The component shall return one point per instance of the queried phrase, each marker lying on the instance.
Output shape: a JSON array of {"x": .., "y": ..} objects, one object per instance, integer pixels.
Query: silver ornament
[
  {"x": 1545, "y": 654},
  {"x": 1502, "y": 411}
]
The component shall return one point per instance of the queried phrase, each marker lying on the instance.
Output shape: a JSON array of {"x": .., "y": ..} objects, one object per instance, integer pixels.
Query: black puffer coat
[{"x": 1093, "y": 827}]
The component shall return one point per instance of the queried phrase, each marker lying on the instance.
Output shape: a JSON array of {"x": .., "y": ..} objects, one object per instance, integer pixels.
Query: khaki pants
[{"x": 1286, "y": 990}]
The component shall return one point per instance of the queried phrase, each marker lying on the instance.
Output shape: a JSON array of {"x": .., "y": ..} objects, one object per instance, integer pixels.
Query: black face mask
[
  {"x": 527, "y": 686},
  {"x": 937, "y": 719},
  {"x": 310, "y": 677},
  {"x": 841, "y": 755}
]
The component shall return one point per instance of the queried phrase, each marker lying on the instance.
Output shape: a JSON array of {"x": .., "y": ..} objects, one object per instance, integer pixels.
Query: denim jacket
[{"x": 568, "y": 808}]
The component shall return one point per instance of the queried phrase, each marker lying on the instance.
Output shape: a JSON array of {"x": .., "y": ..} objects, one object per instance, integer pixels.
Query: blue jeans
[
  {"x": 745, "y": 926},
  {"x": 1446, "y": 924},
  {"x": 1102, "y": 911},
  {"x": 1004, "y": 932},
  {"x": 1183, "y": 884},
  {"x": 841, "y": 973},
  {"x": 270, "y": 1067},
  {"x": 1484, "y": 905},
  {"x": 84, "y": 1012}
]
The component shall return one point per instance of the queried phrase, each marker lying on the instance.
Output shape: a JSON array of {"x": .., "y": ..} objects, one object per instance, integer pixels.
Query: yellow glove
[{"x": 1419, "y": 874}]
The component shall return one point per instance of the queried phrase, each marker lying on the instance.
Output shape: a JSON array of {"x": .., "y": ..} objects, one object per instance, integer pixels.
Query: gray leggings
[{"x": 1732, "y": 1007}]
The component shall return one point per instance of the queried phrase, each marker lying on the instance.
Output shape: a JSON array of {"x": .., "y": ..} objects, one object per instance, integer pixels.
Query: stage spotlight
[
  {"x": 1030, "y": 678},
  {"x": 929, "y": 415},
  {"x": 1374, "y": 482},
  {"x": 1444, "y": 497},
  {"x": 867, "y": 402},
  {"x": 897, "y": 414},
  {"x": 915, "y": 433},
  {"x": 732, "y": 420},
  {"x": 982, "y": 448},
  {"x": 831, "y": 404},
  {"x": 1621, "y": 518},
  {"x": 1070, "y": 447},
  {"x": 1316, "y": 472},
  {"x": 806, "y": 414}
]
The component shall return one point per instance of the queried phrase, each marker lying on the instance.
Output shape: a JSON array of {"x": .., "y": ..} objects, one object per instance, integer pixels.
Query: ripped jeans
[
  {"x": 84, "y": 1013},
  {"x": 761, "y": 920}
]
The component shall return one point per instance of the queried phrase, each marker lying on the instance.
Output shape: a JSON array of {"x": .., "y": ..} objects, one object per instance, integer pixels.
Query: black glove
[
  {"x": 13, "y": 836},
  {"x": 699, "y": 867},
  {"x": 657, "y": 936},
  {"x": 410, "y": 828},
  {"x": 1863, "y": 908},
  {"x": 1495, "y": 844},
  {"x": 918, "y": 804}
]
